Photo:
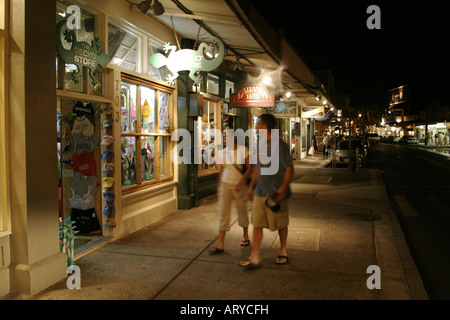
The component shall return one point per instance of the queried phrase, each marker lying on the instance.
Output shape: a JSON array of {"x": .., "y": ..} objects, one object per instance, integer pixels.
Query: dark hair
[{"x": 269, "y": 120}]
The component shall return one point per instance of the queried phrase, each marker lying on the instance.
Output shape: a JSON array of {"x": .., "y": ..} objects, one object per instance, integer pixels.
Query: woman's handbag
[{"x": 311, "y": 151}]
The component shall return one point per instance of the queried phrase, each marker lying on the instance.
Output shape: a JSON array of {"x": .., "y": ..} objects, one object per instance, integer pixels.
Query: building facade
[{"x": 89, "y": 120}]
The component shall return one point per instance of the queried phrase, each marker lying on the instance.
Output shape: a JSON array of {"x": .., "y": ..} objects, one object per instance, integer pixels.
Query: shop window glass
[
  {"x": 148, "y": 119},
  {"x": 213, "y": 84},
  {"x": 80, "y": 81},
  {"x": 160, "y": 73},
  {"x": 146, "y": 144},
  {"x": 164, "y": 113},
  {"x": 128, "y": 159},
  {"x": 207, "y": 126},
  {"x": 128, "y": 107},
  {"x": 123, "y": 48}
]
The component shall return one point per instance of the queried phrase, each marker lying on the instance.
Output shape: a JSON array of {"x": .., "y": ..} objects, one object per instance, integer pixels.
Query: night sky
[{"x": 412, "y": 45}]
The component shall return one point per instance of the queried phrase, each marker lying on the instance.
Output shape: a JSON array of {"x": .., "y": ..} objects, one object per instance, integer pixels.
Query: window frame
[{"x": 138, "y": 135}]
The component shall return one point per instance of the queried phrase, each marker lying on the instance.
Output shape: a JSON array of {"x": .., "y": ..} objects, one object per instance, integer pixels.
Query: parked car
[
  {"x": 373, "y": 138},
  {"x": 408, "y": 140},
  {"x": 393, "y": 139},
  {"x": 343, "y": 154}
]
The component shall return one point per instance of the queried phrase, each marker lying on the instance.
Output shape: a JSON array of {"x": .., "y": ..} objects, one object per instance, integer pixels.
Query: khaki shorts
[
  {"x": 226, "y": 195},
  {"x": 263, "y": 217}
]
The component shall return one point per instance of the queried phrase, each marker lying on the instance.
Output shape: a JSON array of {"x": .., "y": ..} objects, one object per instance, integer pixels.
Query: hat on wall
[
  {"x": 109, "y": 196},
  {"x": 107, "y": 182},
  {"x": 108, "y": 154},
  {"x": 109, "y": 209},
  {"x": 107, "y": 123},
  {"x": 108, "y": 168},
  {"x": 107, "y": 140}
]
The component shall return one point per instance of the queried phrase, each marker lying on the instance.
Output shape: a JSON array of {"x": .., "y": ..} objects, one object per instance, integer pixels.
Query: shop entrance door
[{"x": 79, "y": 167}]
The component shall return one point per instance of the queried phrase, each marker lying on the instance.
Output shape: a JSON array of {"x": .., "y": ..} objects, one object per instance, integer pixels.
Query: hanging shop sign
[
  {"x": 207, "y": 57},
  {"x": 81, "y": 54},
  {"x": 284, "y": 110},
  {"x": 313, "y": 112},
  {"x": 252, "y": 96}
]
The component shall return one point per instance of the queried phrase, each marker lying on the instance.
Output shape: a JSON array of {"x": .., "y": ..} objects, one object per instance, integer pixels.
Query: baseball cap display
[
  {"x": 109, "y": 209},
  {"x": 108, "y": 154},
  {"x": 107, "y": 123},
  {"x": 108, "y": 182},
  {"x": 109, "y": 196},
  {"x": 107, "y": 140},
  {"x": 108, "y": 168}
]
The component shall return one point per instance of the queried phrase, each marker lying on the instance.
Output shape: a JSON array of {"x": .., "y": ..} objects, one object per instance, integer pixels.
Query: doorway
[{"x": 79, "y": 169}]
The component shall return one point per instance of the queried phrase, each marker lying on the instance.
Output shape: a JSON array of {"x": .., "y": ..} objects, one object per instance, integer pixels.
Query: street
[{"x": 418, "y": 184}]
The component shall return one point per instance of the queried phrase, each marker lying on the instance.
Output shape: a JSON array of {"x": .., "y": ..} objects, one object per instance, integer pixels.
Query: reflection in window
[
  {"x": 123, "y": 48},
  {"x": 164, "y": 115},
  {"x": 213, "y": 84},
  {"x": 207, "y": 125},
  {"x": 150, "y": 137},
  {"x": 160, "y": 73},
  {"x": 147, "y": 110},
  {"x": 128, "y": 159},
  {"x": 148, "y": 157},
  {"x": 66, "y": 78},
  {"x": 128, "y": 107}
]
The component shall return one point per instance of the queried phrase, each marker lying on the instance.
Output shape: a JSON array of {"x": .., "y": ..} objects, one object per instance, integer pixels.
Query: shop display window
[
  {"x": 68, "y": 77},
  {"x": 158, "y": 73},
  {"x": 212, "y": 85},
  {"x": 146, "y": 144},
  {"x": 209, "y": 134},
  {"x": 124, "y": 48}
]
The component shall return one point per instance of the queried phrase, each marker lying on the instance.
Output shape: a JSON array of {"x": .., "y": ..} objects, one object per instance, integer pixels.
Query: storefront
[{"x": 87, "y": 71}]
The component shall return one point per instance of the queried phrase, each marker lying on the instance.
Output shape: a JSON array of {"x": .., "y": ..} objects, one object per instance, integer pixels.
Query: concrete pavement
[{"x": 340, "y": 224}]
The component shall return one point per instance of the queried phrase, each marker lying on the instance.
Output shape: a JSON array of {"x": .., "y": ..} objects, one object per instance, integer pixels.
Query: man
[{"x": 266, "y": 187}]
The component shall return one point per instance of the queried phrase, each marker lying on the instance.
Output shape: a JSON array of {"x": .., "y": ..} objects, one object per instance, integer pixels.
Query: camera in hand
[{"x": 272, "y": 204}]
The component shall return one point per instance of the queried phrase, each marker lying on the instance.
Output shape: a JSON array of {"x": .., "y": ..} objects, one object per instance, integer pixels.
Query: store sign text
[
  {"x": 81, "y": 54},
  {"x": 252, "y": 96}
]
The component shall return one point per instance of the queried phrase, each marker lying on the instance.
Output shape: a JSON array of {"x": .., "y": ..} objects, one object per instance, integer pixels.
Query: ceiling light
[
  {"x": 324, "y": 102},
  {"x": 288, "y": 94},
  {"x": 144, "y": 6},
  {"x": 318, "y": 98},
  {"x": 267, "y": 80},
  {"x": 158, "y": 8}
]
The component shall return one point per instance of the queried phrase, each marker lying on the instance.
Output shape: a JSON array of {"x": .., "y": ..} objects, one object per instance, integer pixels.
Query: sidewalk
[{"x": 340, "y": 224}]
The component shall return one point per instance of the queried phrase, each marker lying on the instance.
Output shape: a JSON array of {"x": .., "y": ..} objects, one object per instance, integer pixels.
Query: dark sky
[{"x": 411, "y": 47}]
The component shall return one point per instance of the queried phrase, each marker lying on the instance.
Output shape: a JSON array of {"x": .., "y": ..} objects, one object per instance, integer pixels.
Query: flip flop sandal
[
  {"x": 250, "y": 265},
  {"x": 282, "y": 257},
  {"x": 245, "y": 243},
  {"x": 215, "y": 251}
]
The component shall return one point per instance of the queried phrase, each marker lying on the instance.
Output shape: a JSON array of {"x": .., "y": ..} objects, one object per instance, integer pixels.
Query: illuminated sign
[
  {"x": 81, "y": 54},
  {"x": 252, "y": 96},
  {"x": 313, "y": 112},
  {"x": 205, "y": 58}
]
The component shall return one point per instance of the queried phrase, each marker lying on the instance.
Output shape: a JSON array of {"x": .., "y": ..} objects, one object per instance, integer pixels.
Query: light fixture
[
  {"x": 288, "y": 94},
  {"x": 158, "y": 8},
  {"x": 267, "y": 80},
  {"x": 318, "y": 98},
  {"x": 144, "y": 6},
  {"x": 325, "y": 102}
]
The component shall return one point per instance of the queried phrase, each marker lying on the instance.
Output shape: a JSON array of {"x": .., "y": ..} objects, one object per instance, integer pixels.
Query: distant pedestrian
[
  {"x": 325, "y": 146},
  {"x": 314, "y": 144},
  {"x": 231, "y": 185},
  {"x": 270, "y": 192}
]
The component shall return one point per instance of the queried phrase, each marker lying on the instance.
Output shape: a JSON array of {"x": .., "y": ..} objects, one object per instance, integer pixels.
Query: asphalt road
[{"x": 418, "y": 184}]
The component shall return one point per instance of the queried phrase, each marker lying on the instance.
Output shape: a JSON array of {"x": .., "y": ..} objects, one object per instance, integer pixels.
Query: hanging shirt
[{"x": 84, "y": 163}]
